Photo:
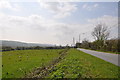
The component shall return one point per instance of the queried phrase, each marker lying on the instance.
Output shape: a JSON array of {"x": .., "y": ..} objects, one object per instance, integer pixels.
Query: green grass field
[
  {"x": 76, "y": 64},
  {"x": 18, "y": 63}
]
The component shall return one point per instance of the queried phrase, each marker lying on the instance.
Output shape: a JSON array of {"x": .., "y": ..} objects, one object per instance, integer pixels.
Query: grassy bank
[
  {"x": 78, "y": 64},
  {"x": 16, "y": 64}
]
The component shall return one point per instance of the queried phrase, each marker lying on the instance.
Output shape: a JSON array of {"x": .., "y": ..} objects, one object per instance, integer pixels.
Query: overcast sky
[{"x": 55, "y": 22}]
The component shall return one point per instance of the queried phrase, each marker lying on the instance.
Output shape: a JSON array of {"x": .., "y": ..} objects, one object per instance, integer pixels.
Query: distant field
[
  {"x": 18, "y": 63},
  {"x": 78, "y": 64}
]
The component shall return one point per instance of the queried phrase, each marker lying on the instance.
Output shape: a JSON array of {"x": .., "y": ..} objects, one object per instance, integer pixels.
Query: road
[{"x": 112, "y": 58}]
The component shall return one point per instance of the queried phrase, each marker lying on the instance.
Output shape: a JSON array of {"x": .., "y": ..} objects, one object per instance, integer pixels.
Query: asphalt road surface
[{"x": 112, "y": 58}]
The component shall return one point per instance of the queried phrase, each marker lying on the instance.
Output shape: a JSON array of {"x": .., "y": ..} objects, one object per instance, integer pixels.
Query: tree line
[
  {"x": 8, "y": 48},
  {"x": 101, "y": 42}
]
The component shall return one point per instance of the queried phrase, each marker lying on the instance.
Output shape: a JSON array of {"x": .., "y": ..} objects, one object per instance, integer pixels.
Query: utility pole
[
  {"x": 82, "y": 36},
  {"x": 73, "y": 41},
  {"x": 79, "y": 38}
]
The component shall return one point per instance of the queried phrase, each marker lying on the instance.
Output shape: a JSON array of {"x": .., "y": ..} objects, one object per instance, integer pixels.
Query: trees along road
[{"x": 109, "y": 57}]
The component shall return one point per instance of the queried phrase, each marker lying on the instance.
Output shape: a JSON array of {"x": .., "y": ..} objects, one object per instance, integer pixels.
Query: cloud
[
  {"x": 35, "y": 28},
  {"x": 66, "y": 32},
  {"x": 95, "y": 5},
  {"x": 110, "y": 21},
  {"x": 30, "y": 28},
  {"x": 60, "y": 9},
  {"x": 31, "y": 22},
  {"x": 90, "y": 7},
  {"x": 7, "y": 5}
]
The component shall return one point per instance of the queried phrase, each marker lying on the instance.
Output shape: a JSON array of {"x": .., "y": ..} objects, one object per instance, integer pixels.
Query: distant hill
[{"x": 21, "y": 44}]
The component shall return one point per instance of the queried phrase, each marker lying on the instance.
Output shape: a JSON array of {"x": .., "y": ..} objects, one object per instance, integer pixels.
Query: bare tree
[{"x": 101, "y": 32}]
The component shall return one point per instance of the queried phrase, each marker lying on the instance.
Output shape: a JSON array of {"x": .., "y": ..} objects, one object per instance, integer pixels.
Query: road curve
[{"x": 112, "y": 58}]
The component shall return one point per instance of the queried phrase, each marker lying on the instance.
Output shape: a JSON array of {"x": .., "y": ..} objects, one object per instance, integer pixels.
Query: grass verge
[{"x": 78, "y": 64}]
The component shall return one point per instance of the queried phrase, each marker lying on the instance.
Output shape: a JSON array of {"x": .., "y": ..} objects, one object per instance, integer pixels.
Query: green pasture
[{"x": 16, "y": 64}]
